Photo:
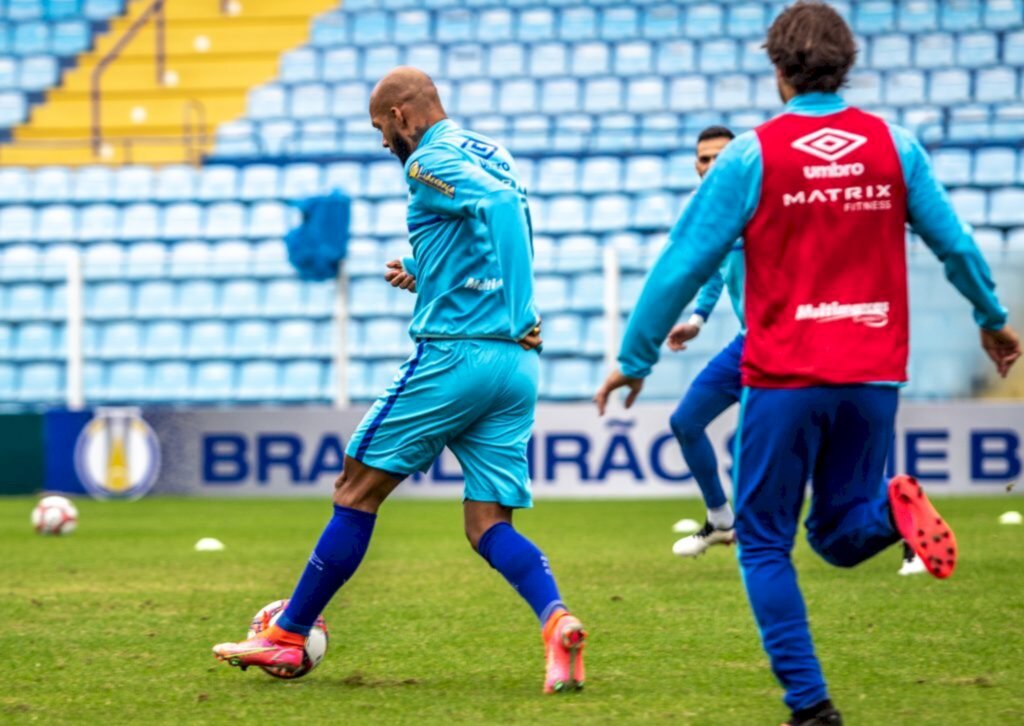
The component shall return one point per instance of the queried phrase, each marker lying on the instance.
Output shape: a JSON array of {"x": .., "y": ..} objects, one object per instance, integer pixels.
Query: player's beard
[{"x": 400, "y": 148}]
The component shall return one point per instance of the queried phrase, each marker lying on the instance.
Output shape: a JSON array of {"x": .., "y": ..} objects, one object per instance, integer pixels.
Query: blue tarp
[{"x": 317, "y": 245}]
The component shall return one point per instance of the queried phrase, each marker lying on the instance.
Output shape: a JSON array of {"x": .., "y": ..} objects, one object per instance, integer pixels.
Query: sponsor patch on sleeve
[{"x": 424, "y": 176}]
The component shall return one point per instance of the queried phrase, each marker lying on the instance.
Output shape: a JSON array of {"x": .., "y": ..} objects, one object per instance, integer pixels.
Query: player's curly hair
[{"x": 812, "y": 46}]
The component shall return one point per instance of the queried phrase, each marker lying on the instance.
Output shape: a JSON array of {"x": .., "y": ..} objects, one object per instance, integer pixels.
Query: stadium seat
[
  {"x": 197, "y": 299},
  {"x": 1007, "y": 207},
  {"x": 183, "y": 220},
  {"x": 952, "y": 166},
  {"x": 918, "y": 16},
  {"x": 568, "y": 379},
  {"x": 933, "y": 51},
  {"x": 970, "y": 204},
  {"x": 996, "y": 85},
  {"x": 212, "y": 381},
  {"x": 872, "y": 18},
  {"x": 103, "y": 261},
  {"x": 258, "y": 381},
  {"x": 108, "y": 300},
  {"x": 34, "y": 341},
  {"x": 251, "y": 338},
  {"x": 120, "y": 340},
  {"x": 959, "y": 16},
  {"x": 995, "y": 166},
  {"x": 890, "y": 52},
  {"x": 164, "y": 339},
  {"x": 719, "y": 56},
  {"x": 155, "y": 299},
  {"x": 145, "y": 259},
  {"x": 40, "y": 382},
  {"x": 950, "y": 87}
]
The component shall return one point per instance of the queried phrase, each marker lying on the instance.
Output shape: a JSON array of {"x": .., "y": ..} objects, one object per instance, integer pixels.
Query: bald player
[{"x": 470, "y": 386}]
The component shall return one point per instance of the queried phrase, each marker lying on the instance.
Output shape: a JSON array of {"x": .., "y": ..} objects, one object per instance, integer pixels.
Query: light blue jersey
[
  {"x": 472, "y": 241},
  {"x": 726, "y": 201},
  {"x": 469, "y": 386},
  {"x": 729, "y": 276}
]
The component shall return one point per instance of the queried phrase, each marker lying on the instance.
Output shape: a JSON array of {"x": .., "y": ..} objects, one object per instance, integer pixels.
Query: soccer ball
[
  {"x": 54, "y": 515},
  {"x": 316, "y": 643}
]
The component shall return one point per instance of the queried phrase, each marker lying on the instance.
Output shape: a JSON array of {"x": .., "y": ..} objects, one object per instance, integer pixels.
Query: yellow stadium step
[
  {"x": 212, "y": 60},
  {"x": 181, "y": 72}
]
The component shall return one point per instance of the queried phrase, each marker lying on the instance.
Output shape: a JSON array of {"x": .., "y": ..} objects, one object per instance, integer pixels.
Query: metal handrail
[
  {"x": 195, "y": 133},
  {"x": 155, "y": 10}
]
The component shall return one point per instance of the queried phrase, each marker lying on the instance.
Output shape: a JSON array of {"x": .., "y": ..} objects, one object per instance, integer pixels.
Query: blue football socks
[
  {"x": 335, "y": 559},
  {"x": 524, "y": 566}
]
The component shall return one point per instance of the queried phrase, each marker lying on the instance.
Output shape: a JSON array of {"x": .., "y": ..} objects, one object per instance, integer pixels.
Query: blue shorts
[
  {"x": 723, "y": 371},
  {"x": 477, "y": 397}
]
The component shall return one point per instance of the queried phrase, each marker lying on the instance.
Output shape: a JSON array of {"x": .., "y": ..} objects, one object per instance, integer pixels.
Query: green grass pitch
[{"x": 115, "y": 622}]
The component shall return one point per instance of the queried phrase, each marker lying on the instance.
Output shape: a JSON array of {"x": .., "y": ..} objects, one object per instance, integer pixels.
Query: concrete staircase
[{"x": 214, "y": 55}]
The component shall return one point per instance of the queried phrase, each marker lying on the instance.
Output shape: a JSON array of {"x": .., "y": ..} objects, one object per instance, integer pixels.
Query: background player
[
  {"x": 821, "y": 195},
  {"x": 717, "y": 386},
  {"x": 471, "y": 384}
]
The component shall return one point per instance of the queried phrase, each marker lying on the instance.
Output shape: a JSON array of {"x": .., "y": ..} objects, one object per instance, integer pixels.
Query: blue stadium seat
[
  {"x": 258, "y": 381},
  {"x": 934, "y": 51},
  {"x": 634, "y": 58},
  {"x": 15, "y": 185},
  {"x": 98, "y": 221},
  {"x": 349, "y": 99},
  {"x": 386, "y": 337},
  {"x": 168, "y": 381},
  {"x": 13, "y": 108},
  {"x": 601, "y": 174},
  {"x": 218, "y": 182},
  {"x": 38, "y": 73},
  {"x": 20, "y": 262},
  {"x": 283, "y": 297},
  {"x": 212, "y": 381},
  {"x": 719, "y": 56},
  {"x": 56, "y": 223},
  {"x": 704, "y": 21},
  {"x": 412, "y": 26},
  {"x": 568, "y": 378},
  {"x": 330, "y": 29},
  {"x": 155, "y": 299},
  {"x": 133, "y": 183},
  {"x": 139, "y": 221},
  {"x": 1003, "y": 14},
  {"x": 507, "y": 60},
  {"x": 251, "y": 338},
  {"x": 577, "y": 24},
  {"x": 309, "y": 100},
  {"x": 340, "y": 64},
  {"x": 977, "y": 49},
  {"x": 960, "y": 15},
  {"x": 269, "y": 219},
  {"x": 690, "y": 93},
  {"x": 300, "y": 65},
  {"x": 918, "y": 16},
  {"x": 747, "y": 21},
  {"x": 874, "y": 17},
  {"x": 644, "y": 173},
  {"x": 995, "y": 167},
  {"x": 70, "y": 37},
  {"x": 371, "y": 28},
  {"x": 103, "y": 261},
  {"x": 731, "y": 92},
  {"x": 996, "y": 85},
  {"x": 189, "y": 259},
  {"x": 1007, "y": 207},
  {"x": 164, "y": 339},
  {"x": 865, "y": 89},
  {"x": 536, "y": 24},
  {"x": 175, "y": 183},
  {"x": 654, "y": 211},
  {"x": 224, "y": 220},
  {"x": 587, "y": 293},
  {"x": 34, "y": 341},
  {"x": 259, "y": 181},
  {"x": 906, "y": 88},
  {"x": 950, "y": 87},
  {"x": 108, "y": 300},
  {"x": 40, "y": 382},
  {"x": 563, "y": 334},
  {"x": 24, "y": 9},
  {"x": 51, "y": 184},
  {"x": 182, "y": 221},
  {"x": 890, "y": 51},
  {"x": 551, "y": 293},
  {"x": 644, "y": 95},
  {"x": 267, "y": 101},
  {"x": 970, "y": 204},
  {"x": 28, "y": 301},
  {"x": 126, "y": 381},
  {"x": 197, "y": 299},
  {"x": 207, "y": 339},
  {"x": 578, "y": 253},
  {"x": 120, "y": 340},
  {"x": 236, "y": 138},
  {"x": 31, "y": 38},
  {"x": 548, "y": 60},
  {"x": 145, "y": 259},
  {"x": 564, "y": 214},
  {"x": 454, "y": 26},
  {"x": 969, "y": 123}
]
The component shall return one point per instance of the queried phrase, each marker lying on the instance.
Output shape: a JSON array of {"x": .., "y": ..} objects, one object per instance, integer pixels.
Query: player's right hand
[
  {"x": 396, "y": 276},
  {"x": 680, "y": 334},
  {"x": 1002, "y": 346},
  {"x": 616, "y": 379}
]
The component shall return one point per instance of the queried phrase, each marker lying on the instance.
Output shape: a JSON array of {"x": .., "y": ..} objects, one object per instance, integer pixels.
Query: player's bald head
[
  {"x": 403, "y": 105},
  {"x": 404, "y": 87}
]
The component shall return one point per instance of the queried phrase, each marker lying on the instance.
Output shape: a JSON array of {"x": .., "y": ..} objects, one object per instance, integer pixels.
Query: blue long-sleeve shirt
[
  {"x": 472, "y": 241},
  {"x": 728, "y": 277},
  {"x": 726, "y": 201}
]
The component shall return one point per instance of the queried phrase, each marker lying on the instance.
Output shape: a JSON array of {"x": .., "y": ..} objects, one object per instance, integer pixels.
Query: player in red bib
[{"x": 821, "y": 195}]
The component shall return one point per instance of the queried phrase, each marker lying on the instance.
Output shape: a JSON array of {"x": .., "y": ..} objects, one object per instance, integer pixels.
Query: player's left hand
[
  {"x": 1002, "y": 346},
  {"x": 396, "y": 276},
  {"x": 680, "y": 334},
  {"x": 532, "y": 339},
  {"x": 616, "y": 379}
]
